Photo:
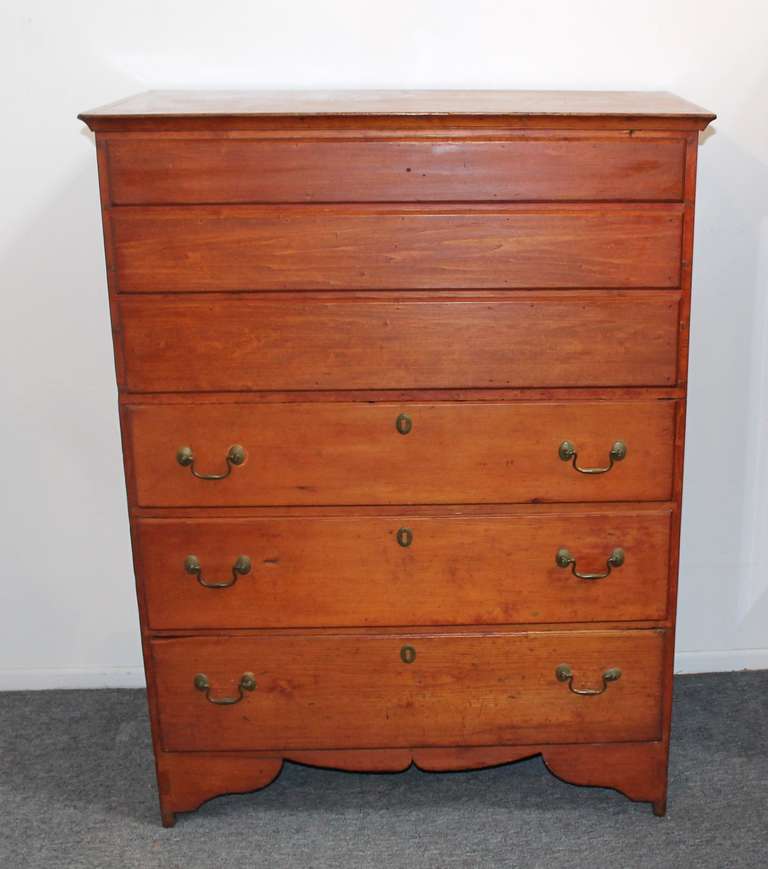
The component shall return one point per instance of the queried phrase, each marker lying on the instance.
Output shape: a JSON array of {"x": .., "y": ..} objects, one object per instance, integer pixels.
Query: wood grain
[
  {"x": 188, "y": 779},
  {"x": 353, "y": 454},
  {"x": 215, "y": 110},
  {"x": 472, "y": 689},
  {"x": 514, "y": 181},
  {"x": 311, "y": 247},
  {"x": 171, "y": 172},
  {"x": 185, "y": 782},
  {"x": 189, "y": 344},
  {"x": 352, "y": 571},
  {"x": 638, "y": 770}
]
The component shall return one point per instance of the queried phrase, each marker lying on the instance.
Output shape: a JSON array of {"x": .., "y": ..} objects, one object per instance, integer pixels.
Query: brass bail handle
[
  {"x": 568, "y": 453},
  {"x": 247, "y": 683},
  {"x": 564, "y": 673},
  {"x": 241, "y": 567},
  {"x": 186, "y": 458},
  {"x": 564, "y": 559}
]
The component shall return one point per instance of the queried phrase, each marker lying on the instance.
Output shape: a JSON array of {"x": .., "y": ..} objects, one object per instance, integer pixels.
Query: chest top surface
[{"x": 171, "y": 109}]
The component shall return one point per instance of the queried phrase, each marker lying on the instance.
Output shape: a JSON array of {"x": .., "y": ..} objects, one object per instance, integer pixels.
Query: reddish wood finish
[
  {"x": 345, "y": 247},
  {"x": 185, "y": 783},
  {"x": 456, "y": 453},
  {"x": 187, "y": 344},
  {"x": 510, "y": 195},
  {"x": 399, "y": 759},
  {"x": 637, "y": 769},
  {"x": 240, "y": 171},
  {"x": 423, "y": 109},
  {"x": 355, "y": 691},
  {"x": 351, "y": 570},
  {"x": 299, "y": 396}
]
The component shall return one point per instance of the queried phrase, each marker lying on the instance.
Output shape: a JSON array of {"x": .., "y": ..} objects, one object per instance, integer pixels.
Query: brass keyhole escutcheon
[
  {"x": 407, "y": 654},
  {"x": 404, "y": 536},
  {"x": 404, "y": 424}
]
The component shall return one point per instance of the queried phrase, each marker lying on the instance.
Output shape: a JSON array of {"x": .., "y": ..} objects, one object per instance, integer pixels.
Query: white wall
[{"x": 66, "y": 589}]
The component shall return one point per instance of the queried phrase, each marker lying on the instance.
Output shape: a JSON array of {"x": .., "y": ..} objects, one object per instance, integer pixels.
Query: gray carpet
[{"x": 77, "y": 789}]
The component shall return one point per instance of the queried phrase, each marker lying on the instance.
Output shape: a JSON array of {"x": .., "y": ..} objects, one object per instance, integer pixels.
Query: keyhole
[
  {"x": 404, "y": 536},
  {"x": 404, "y": 424}
]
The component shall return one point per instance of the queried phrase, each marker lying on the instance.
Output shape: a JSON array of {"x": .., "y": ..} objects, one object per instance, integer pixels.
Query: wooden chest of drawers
[{"x": 402, "y": 390}]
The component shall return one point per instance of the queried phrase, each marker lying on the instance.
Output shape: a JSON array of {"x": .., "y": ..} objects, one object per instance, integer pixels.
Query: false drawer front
[
  {"x": 320, "y": 571},
  {"x": 348, "y": 247},
  {"x": 411, "y": 453},
  {"x": 229, "y": 170},
  {"x": 575, "y": 339},
  {"x": 368, "y": 691}
]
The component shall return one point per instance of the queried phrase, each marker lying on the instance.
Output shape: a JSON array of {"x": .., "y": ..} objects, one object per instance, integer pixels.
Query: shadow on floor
[{"x": 78, "y": 790}]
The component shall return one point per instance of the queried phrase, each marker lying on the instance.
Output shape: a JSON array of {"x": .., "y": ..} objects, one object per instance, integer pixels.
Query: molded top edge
[{"x": 156, "y": 109}]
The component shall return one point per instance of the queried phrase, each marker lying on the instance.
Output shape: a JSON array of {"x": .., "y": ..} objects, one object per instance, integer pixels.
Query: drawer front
[
  {"x": 353, "y": 691},
  {"x": 355, "y": 453},
  {"x": 306, "y": 247},
  {"x": 409, "y": 570},
  {"x": 194, "y": 344},
  {"x": 225, "y": 170}
]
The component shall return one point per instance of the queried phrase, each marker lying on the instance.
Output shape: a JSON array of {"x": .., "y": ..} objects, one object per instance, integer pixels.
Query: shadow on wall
[
  {"x": 66, "y": 567},
  {"x": 724, "y": 596}
]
